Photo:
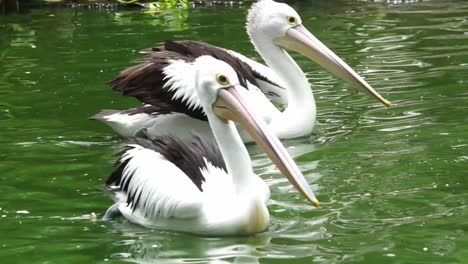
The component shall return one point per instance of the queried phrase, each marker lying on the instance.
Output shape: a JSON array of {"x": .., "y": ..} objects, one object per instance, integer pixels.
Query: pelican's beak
[
  {"x": 231, "y": 106},
  {"x": 299, "y": 39}
]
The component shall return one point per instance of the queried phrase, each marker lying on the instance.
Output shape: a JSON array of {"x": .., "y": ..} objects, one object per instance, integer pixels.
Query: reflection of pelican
[
  {"x": 165, "y": 77},
  {"x": 154, "y": 246},
  {"x": 197, "y": 187}
]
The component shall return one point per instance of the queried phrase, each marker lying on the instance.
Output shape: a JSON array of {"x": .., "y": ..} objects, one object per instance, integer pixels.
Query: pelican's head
[
  {"x": 278, "y": 23},
  {"x": 217, "y": 87},
  {"x": 268, "y": 20},
  {"x": 212, "y": 75}
]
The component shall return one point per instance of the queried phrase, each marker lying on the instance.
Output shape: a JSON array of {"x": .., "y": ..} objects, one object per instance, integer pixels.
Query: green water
[{"x": 392, "y": 182}]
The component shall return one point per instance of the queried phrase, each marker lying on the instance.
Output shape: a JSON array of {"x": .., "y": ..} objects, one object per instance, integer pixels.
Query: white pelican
[
  {"x": 195, "y": 187},
  {"x": 164, "y": 78}
]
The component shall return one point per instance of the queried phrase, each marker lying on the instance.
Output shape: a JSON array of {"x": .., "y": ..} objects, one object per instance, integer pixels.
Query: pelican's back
[{"x": 163, "y": 178}]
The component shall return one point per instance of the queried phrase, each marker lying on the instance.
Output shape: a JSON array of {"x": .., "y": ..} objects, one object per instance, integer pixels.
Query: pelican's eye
[
  {"x": 222, "y": 79},
  {"x": 292, "y": 20}
]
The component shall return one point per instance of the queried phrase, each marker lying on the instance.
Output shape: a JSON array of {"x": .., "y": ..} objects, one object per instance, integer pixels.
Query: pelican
[
  {"x": 164, "y": 78},
  {"x": 165, "y": 183}
]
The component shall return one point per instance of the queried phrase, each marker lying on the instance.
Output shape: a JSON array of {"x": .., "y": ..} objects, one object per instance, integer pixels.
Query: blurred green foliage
[
  {"x": 18, "y": 5},
  {"x": 161, "y": 4}
]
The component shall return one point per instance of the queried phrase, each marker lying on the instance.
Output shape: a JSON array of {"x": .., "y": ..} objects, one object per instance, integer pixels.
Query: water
[{"x": 392, "y": 182}]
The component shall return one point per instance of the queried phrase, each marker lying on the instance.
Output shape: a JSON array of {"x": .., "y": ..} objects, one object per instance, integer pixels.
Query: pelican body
[
  {"x": 163, "y": 80},
  {"x": 201, "y": 187}
]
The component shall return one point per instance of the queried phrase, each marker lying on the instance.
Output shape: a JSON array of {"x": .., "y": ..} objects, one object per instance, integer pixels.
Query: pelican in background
[
  {"x": 164, "y": 78},
  {"x": 195, "y": 187}
]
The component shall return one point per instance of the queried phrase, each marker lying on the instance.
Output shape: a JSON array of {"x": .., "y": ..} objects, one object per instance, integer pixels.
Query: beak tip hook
[
  {"x": 316, "y": 203},
  {"x": 388, "y": 103}
]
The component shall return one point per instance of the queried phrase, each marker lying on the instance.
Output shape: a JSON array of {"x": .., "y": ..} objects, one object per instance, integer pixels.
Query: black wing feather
[
  {"x": 195, "y": 49},
  {"x": 145, "y": 81},
  {"x": 188, "y": 157}
]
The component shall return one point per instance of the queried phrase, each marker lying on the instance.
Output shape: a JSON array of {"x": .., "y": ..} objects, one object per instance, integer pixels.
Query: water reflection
[
  {"x": 143, "y": 246},
  {"x": 285, "y": 239},
  {"x": 394, "y": 2},
  {"x": 170, "y": 20}
]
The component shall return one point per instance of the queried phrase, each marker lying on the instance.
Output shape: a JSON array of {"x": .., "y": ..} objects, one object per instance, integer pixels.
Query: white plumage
[
  {"x": 179, "y": 77},
  {"x": 159, "y": 198},
  {"x": 170, "y": 200}
]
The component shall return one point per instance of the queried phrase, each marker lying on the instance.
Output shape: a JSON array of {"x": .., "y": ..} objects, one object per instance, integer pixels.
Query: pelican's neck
[
  {"x": 299, "y": 116},
  {"x": 235, "y": 155}
]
